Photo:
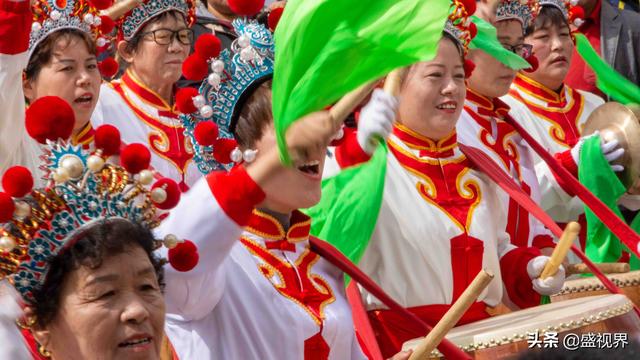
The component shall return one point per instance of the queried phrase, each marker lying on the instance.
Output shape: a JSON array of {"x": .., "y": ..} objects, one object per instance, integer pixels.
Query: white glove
[
  {"x": 376, "y": 120},
  {"x": 548, "y": 286},
  {"x": 611, "y": 151}
]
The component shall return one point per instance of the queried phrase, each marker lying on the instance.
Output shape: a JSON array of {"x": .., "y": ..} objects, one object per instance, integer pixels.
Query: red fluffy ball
[
  {"x": 195, "y": 68},
  {"x": 222, "y": 150},
  {"x": 470, "y": 6},
  {"x": 576, "y": 12},
  {"x": 106, "y": 24},
  {"x": 173, "y": 193},
  {"x": 473, "y": 30},
  {"x": 49, "y": 118},
  {"x": 469, "y": 66},
  {"x": 101, "y": 4},
  {"x": 107, "y": 138},
  {"x": 533, "y": 61},
  {"x": 274, "y": 18},
  {"x": 184, "y": 100},
  {"x": 7, "y": 207},
  {"x": 206, "y": 133},
  {"x": 17, "y": 181},
  {"x": 246, "y": 7},
  {"x": 208, "y": 46},
  {"x": 135, "y": 158},
  {"x": 184, "y": 256},
  {"x": 108, "y": 67}
]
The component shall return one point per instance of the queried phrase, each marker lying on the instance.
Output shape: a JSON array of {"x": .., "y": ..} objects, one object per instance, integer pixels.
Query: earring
[
  {"x": 31, "y": 320},
  {"x": 44, "y": 352}
]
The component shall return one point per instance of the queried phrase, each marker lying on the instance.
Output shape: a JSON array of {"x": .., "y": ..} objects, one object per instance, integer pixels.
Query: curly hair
[{"x": 90, "y": 248}]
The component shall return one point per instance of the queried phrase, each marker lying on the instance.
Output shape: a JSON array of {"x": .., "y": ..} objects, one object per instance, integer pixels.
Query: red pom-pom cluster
[
  {"x": 533, "y": 61},
  {"x": 470, "y": 6},
  {"x": 195, "y": 68},
  {"x": 207, "y": 46},
  {"x": 101, "y": 4},
  {"x": 49, "y": 118},
  {"x": 7, "y": 207},
  {"x": 106, "y": 24},
  {"x": 135, "y": 158},
  {"x": 246, "y": 7},
  {"x": 274, "y": 18},
  {"x": 17, "y": 181},
  {"x": 107, "y": 138},
  {"x": 173, "y": 193},
  {"x": 184, "y": 256},
  {"x": 184, "y": 100},
  {"x": 108, "y": 67},
  {"x": 473, "y": 30},
  {"x": 576, "y": 12},
  {"x": 469, "y": 66},
  {"x": 206, "y": 133},
  {"x": 222, "y": 150}
]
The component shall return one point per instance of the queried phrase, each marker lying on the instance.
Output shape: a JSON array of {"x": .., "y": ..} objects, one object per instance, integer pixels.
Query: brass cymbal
[{"x": 616, "y": 121}]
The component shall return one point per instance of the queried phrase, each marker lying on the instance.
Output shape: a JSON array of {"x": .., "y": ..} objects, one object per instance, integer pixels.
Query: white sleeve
[{"x": 210, "y": 215}]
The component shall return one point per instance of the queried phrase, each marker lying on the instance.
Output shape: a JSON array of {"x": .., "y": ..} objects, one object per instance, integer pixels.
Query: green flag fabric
[
  {"x": 326, "y": 48},
  {"x": 487, "y": 40},
  {"x": 348, "y": 211},
  {"x": 608, "y": 80},
  {"x": 595, "y": 173}
]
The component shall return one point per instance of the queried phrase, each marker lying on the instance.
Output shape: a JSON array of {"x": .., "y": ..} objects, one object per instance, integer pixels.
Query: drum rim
[
  {"x": 588, "y": 284},
  {"x": 612, "y": 312}
]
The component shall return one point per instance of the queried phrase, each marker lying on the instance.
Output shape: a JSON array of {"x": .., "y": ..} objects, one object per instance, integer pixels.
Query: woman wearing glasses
[
  {"x": 482, "y": 122},
  {"x": 154, "y": 40}
]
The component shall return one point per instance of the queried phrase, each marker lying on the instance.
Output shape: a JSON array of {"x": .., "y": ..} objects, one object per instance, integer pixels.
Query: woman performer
[
  {"x": 81, "y": 255},
  {"x": 440, "y": 221},
  {"x": 259, "y": 290},
  {"x": 58, "y": 46},
  {"x": 552, "y": 112},
  {"x": 153, "y": 41}
]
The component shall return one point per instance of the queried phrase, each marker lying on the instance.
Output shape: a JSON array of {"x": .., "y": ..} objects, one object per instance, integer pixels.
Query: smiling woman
[{"x": 141, "y": 104}]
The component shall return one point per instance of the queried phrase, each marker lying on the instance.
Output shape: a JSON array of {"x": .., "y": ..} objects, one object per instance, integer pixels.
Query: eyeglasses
[
  {"x": 166, "y": 36},
  {"x": 523, "y": 50}
]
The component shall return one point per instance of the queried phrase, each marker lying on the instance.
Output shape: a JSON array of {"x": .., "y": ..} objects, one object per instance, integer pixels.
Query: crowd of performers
[{"x": 146, "y": 212}]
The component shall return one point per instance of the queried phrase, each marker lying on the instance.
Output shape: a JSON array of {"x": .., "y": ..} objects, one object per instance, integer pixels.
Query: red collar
[
  {"x": 84, "y": 137},
  {"x": 129, "y": 80},
  {"x": 271, "y": 230},
  {"x": 487, "y": 106},
  {"x": 540, "y": 91},
  {"x": 443, "y": 148}
]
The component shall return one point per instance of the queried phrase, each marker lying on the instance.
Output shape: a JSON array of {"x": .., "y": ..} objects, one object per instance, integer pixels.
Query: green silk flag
[
  {"x": 487, "y": 40},
  {"x": 348, "y": 211},
  {"x": 326, "y": 48},
  {"x": 608, "y": 80},
  {"x": 595, "y": 173}
]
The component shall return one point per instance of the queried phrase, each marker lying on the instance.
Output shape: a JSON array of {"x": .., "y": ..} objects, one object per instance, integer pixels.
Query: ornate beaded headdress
[
  {"x": 573, "y": 12},
  {"x": 236, "y": 72},
  {"x": 524, "y": 11},
  {"x": 459, "y": 23},
  {"x": 50, "y": 16},
  {"x": 83, "y": 190},
  {"x": 136, "y": 18}
]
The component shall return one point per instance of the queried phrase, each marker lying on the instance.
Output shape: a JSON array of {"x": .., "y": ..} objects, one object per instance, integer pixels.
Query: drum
[
  {"x": 504, "y": 336},
  {"x": 629, "y": 283}
]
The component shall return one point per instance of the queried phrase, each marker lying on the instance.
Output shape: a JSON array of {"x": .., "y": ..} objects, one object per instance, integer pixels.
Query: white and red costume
[{"x": 258, "y": 291}]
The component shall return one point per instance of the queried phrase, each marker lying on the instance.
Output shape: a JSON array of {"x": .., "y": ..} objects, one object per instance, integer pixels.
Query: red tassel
[
  {"x": 274, "y": 18},
  {"x": 184, "y": 100},
  {"x": 184, "y": 256},
  {"x": 208, "y": 46},
  {"x": 135, "y": 158},
  {"x": 473, "y": 30},
  {"x": 469, "y": 66},
  {"x": 533, "y": 61},
  {"x": 195, "y": 68},
  {"x": 206, "y": 133},
  {"x": 49, "y": 118},
  {"x": 108, "y": 67},
  {"x": 17, "y": 181},
  {"x": 173, "y": 193},
  {"x": 246, "y": 7},
  {"x": 576, "y": 12},
  {"x": 7, "y": 207},
  {"x": 107, "y": 138},
  {"x": 222, "y": 150}
]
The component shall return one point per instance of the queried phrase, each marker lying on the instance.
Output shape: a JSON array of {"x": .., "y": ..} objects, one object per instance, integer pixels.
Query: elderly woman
[
  {"x": 60, "y": 61},
  {"x": 153, "y": 43},
  {"x": 81, "y": 254}
]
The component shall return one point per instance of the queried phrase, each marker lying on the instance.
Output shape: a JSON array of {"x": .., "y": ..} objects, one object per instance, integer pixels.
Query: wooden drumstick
[
  {"x": 120, "y": 8},
  {"x": 607, "y": 268},
  {"x": 392, "y": 82},
  {"x": 571, "y": 231},
  {"x": 344, "y": 106},
  {"x": 452, "y": 316}
]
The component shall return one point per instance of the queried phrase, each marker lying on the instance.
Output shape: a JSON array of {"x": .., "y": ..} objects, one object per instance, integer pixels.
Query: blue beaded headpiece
[
  {"x": 235, "y": 74},
  {"x": 521, "y": 10},
  {"x": 135, "y": 19}
]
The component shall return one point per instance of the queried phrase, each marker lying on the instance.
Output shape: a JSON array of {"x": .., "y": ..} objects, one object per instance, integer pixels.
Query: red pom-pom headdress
[
  {"x": 135, "y": 19},
  {"x": 573, "y": 12},
  {"x": 459, "y": 23}
]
